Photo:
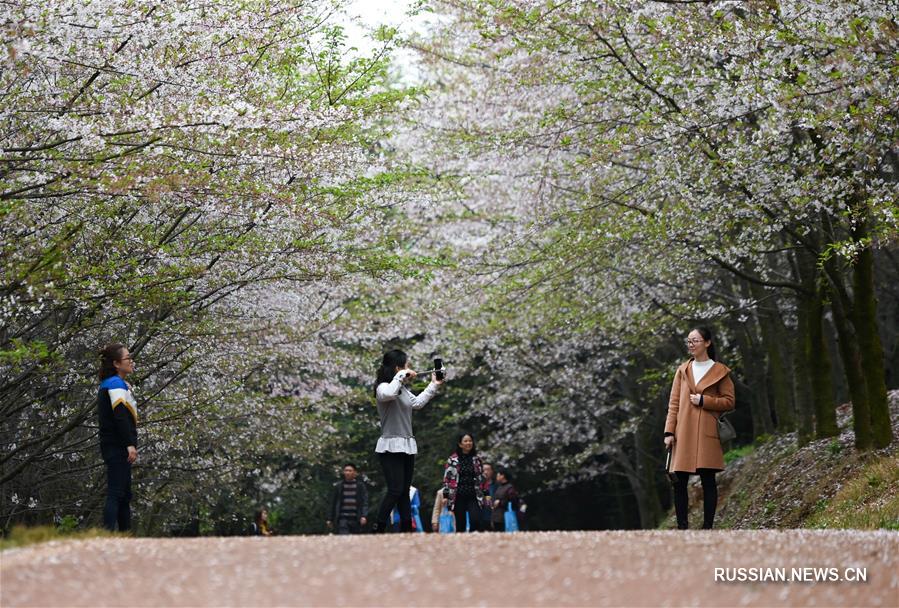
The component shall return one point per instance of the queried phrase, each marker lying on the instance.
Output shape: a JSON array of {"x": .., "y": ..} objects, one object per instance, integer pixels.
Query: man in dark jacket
[{"x": 349, "y": 503}]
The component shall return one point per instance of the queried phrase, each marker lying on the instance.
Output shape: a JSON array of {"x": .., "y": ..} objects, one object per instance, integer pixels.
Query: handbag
[
  {"x": 726, "y": 430},
  {"x": 447, "y": 522},
  {"x": 511, "y": 519}
]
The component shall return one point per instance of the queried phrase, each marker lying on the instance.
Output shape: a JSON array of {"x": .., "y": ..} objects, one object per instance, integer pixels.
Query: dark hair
[
  {"x": 392, "y": 360},
  {"x": 108, "y": 356},
  {"x": 474, "y": 447},
  {"x": 504, "y": 472},
  {"x": 706, "y": 334},
  {"x": 350, "y": 464}
]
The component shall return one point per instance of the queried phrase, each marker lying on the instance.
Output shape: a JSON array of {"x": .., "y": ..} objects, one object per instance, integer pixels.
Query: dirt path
[{"x": 651, "y": 568}]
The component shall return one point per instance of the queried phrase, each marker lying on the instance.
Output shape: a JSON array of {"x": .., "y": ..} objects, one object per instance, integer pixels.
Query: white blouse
[
  {"x": 404, "y": 445},
  {"x": 395, "y": 406},
  {"x": 701, "y": 369}
]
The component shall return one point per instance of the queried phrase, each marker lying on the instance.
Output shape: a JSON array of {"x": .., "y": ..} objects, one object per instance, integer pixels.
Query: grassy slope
[
  {"x": 825, "y": 484},
  {"x": 22, "y": 536}
]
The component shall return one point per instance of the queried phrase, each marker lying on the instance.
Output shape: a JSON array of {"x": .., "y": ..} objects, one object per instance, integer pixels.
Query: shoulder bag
[{"x": 726, "y": 430}]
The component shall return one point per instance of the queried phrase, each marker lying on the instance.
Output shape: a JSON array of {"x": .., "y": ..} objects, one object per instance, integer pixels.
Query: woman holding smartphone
[{"x": 396, "y": 447}]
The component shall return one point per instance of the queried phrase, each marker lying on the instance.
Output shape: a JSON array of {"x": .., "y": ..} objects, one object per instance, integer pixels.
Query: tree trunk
[
  {"x": 819, "y": 367},
  {"x": 772, "y": 340},
  {"x": 865, "y": 321},
  {"x": 643, "y": 468},
  {"x": 851, "y": 357},
  {"x": 802, "y": 375},
  {"x": 753, "y": 366},
  {"x": 621, "y": 490},
  {"x": 648, "y": 506},
  {"x": 648, "y": 442},
  {"x": 802, "y": 366},
  {"x": 840, "y": 388}
]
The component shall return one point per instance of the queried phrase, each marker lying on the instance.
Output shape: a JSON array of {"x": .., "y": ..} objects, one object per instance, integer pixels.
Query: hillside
[{"x": 825, "y": 484}]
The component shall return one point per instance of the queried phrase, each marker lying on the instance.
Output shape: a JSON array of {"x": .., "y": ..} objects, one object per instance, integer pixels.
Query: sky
[{"x": 363, "y": 16}]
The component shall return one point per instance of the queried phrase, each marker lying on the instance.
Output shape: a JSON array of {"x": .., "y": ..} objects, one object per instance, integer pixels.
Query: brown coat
[{"x": 695, "y": 428}]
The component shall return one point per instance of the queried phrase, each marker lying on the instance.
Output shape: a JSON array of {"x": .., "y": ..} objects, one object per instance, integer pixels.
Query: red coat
[{"x": 695, "y": 428}]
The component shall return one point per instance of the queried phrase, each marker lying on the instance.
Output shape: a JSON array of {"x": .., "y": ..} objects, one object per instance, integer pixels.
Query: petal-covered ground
[{"x": 622, "y": 568}]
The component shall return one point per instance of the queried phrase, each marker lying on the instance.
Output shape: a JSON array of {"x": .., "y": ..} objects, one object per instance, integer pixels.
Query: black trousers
[
  {"x": 349, "y": 526},
  {"x": 467, "y": 504},
  {"x": 118, "y": 488},
  {"x": 709, "y": 498},
  {"x": 486, "y": 516},
  {"x": 398, "y": 468}
]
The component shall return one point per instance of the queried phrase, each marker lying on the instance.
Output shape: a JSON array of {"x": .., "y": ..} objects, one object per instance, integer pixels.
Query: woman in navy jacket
[{"x": 117, "y": 413}]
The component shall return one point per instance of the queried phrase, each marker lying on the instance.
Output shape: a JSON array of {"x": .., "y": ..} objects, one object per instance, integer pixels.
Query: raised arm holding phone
[{"x": 396, "y": 446}]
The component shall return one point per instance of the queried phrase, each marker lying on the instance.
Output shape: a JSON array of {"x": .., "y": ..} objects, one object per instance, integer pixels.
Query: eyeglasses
[{"x": 694, "y": 342}]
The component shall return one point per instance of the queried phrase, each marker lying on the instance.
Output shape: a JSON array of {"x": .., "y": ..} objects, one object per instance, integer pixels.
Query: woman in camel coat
[{"x": 701, "y": 391}]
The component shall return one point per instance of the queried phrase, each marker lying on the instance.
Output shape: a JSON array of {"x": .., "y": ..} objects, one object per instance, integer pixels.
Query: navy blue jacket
[{"x": 117, "y": 413}]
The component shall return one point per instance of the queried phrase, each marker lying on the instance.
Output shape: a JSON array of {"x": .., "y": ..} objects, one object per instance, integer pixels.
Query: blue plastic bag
[
  {"x": 511, "y": 519},
  {"x": 447, "y": 522}
]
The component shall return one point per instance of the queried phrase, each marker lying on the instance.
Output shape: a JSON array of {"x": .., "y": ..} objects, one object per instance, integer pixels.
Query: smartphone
[{"x": 438, "y": 365}]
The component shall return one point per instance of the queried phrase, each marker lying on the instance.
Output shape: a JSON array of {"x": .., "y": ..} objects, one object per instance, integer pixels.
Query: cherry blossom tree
[
  {"x": 626, "y": 169},
  {"x": 258, "y": 215},
  {"x": 200, "y": 181}
]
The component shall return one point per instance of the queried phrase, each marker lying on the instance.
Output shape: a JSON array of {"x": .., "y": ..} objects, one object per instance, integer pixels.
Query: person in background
[
  {"x": 490, "y": 492},
  {"x": 349, "y": 503},
  {"x": 439, "y": 506},
  {"x": 505, "y": 494},
  {"x": 701, "y": 391},
  {"x": 464, "y": 484},
  {"x": 522, "y": 514},
  {"x": 415, "y": 506},
  {"x": 117, "y": 414},
  {"x": 260, "y": 525},
  {"x": 490, "y": 475}
]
